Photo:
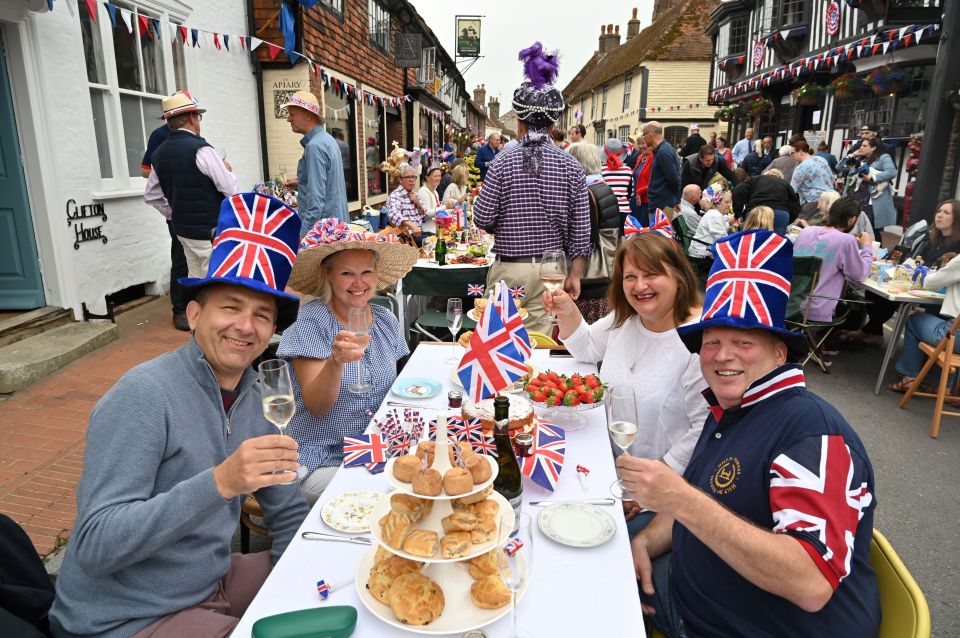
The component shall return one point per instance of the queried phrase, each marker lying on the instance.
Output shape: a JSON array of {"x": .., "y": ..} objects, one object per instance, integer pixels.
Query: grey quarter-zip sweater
[{"x": 152, "y": 535}]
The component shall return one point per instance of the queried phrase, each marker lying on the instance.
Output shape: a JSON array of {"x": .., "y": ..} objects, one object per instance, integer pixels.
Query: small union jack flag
[
  {"x": 545, "y": 461},
  {"x": 583, "y": 469},
  {"x": 484, "y": 445},
  {"x": 323, "y": 589},
  {"x": 660, "y": 225},
  {"x": 457, "y": 454},
  {"x": 734, "y": 289},
  {"x": 475, "y": 290},
  {"x": 375, "y": 468},
  {"x": 460, "y": 429},
  {"x": 518, "y": 292},
  {"x": 363, "y": 449},
  {"x": 512, "y": 546},
  {"x": 513, "y": 322},
  {"x": 631, "y": 225}
]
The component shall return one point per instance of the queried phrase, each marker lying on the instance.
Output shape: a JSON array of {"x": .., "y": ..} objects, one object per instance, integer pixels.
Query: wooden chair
[
  {"x": 905, "y": 613},
  {"x": 250, "y": 507},
  {"x": 943, "y": 356}
]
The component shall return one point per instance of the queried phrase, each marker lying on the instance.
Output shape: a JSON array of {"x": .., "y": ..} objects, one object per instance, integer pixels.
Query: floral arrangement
[
  {"x": 740, "y": 109},
  {"x": 276, "y": 188},
  {"x": 887, "y": 79},
  {"x": 847, "y": 86},
  {"x": 808, "y": 94},
  {"x": 724, "y": 114},
  {"x": 761, "y": 106}
]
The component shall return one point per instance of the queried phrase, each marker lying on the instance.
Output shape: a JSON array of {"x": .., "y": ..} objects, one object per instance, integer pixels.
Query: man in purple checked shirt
[{"x": 534, "y": 197}]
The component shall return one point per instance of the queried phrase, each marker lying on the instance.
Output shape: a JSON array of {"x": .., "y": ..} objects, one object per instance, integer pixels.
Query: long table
[{"x": 599, "y": 582}]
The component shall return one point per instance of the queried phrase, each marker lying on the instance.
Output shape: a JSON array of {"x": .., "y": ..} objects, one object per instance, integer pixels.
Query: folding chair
[
  {"x": 683, "y": 234},
  {"x": 941, "y": 355},
  {"x": 541, "y": 340},
  {"x": 905, "y": 613}
]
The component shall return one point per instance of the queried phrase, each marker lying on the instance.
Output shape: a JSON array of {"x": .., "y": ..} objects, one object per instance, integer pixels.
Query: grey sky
[{"x": 511, "y": 25}]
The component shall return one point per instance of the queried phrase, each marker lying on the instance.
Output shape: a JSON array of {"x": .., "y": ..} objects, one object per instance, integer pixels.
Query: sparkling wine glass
[
  {"x": 622, "y": 425},
  {"x": 553, "y": 272},
  {"x": 515, "y": 561},
  {"x": 276, "y": 393},
  {"x": 454, "y": 321},
  {"x": 360, "y": 328}
]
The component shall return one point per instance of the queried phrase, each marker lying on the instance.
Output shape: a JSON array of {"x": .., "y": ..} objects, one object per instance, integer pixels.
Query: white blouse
[
  {"x": 664, "y": 374},
  {"x": 430, "y": 201}
]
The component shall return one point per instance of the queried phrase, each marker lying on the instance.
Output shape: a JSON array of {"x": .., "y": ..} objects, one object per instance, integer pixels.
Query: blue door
[{"x": 20, "y": 285}]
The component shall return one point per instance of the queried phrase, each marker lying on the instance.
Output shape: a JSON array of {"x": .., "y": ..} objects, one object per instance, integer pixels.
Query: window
[
  {"x": 427, "y": 72},
  {"x": 603, "y": 106},
  {"x": 593, "y": 105},
  {"x": 624, "y": 134},
  {"x": 738, "y": 35},
  {"x": 598, "y": 138},
  {"x": 676, "y": 135},
  {"x": 775, "y": 14},
  {"x": 336, "y": 6},
  {"x": 627, "y": 87},
  {"x": 379, "y": 22},
  {"x": 341, "y": 123},
  {"x": 374, "y": 148},
  {"x": 127, "y": 109},
  {"x": 897, "y": 116}
]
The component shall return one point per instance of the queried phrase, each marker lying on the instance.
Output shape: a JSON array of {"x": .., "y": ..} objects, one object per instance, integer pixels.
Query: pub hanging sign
[{"x": 84, "y": 231}]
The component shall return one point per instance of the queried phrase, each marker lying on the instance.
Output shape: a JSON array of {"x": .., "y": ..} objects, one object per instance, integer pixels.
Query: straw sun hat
[{"x": 329, "y": 236}]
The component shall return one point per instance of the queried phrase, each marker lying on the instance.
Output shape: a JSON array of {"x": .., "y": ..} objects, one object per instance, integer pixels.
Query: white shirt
[
  {"x": 430, "y": 201},
  {"x": 664, "y": 374},
  {"x": 690, "y": 215},
  {"x": 711, "y": 228},
  {"x": 208, "y": 163}
]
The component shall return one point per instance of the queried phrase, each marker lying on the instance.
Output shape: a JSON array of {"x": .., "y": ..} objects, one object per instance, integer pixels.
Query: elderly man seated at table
[
  {"x": 770, "y": 524},
  {"x": 404, "y": 208},
  {"x": 342, "y": 270},
  {"x": 690, "y": 207}
]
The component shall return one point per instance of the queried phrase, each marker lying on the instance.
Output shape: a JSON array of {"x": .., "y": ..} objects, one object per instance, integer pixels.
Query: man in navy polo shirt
[{"x": 770, "y": 524}]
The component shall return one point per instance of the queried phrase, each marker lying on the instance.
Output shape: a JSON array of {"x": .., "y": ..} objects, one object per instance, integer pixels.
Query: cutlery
[
  {"x": 397, "y": 404},
  {"x": 320, "y": 536},
  {"x": 591, "y": 501}
]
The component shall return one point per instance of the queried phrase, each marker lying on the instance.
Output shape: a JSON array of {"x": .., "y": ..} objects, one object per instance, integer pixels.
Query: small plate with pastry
[
  {"x": 350, "y": 512},
  {"x": 416, "y": 387},
  {"x": 430, "y": 475}
]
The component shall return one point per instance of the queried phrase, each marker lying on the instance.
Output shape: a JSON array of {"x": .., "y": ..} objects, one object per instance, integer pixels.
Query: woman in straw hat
[{"x": 343, "y": 269}]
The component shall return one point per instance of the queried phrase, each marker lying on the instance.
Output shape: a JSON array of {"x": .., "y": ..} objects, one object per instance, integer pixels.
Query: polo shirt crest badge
[{"x": 724, "y": 479}]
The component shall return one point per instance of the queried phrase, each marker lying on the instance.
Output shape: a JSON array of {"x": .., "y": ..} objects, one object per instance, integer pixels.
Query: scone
[
  {"x": 457, "y": 481},
  {"x": 421, "y": 542},
  {"x": 458, "y": 522},
  {"x": 486, "y": 507},
  {"x": 394, "y": 528},
  {"x": 466, "y": 451},
  {"x": 383, "y": 573},
  {"x": 464, "y": 502},
  {"x": 427, "y": 482},
  {"x": 484, "y": 564},
  {"x": 405, "y": 467},
  {"x": 415, "y": 599},
  {"x": 479, "y": 468},
  {"x": 455, "y": 544},
  {"x": 489, "y": 592},
  {"x": 382, "y": 554},
  {"x": 426, "y": 449},
  {"x": 485, "y": 530},
  {"x": 410, "y": 506}
]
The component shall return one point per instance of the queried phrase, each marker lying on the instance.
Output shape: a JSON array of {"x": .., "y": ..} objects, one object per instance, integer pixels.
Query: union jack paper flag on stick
[
  {"x": 475, "y": 290},
  {"x": 519, "y": 292},
  {"x": 363, "y": 449},
  {"x": 545, "y": 462},
  {"x": 492, "y": 361},
  {"x": 511, "y": 320},
  {"x": 459, "y": 429}
]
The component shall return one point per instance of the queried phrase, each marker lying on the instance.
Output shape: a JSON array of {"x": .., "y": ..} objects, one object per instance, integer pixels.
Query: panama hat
[
  {"x": 180, "y": 102},
  {"x": 304, "y": 100},
  {"x": 329, "y": 236},
  {"x": 255, "y": 247},
  {"x": 748, "y": 288}
]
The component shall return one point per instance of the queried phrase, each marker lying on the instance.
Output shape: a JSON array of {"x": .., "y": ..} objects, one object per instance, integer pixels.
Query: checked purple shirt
[
  {"x": 400, "y": 209},
  {"x": 528, "y": 214}
]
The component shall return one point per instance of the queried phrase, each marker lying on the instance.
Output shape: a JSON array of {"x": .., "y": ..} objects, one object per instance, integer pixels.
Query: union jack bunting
[
  {"x": 364, "y": 448},
  {"x": 818, "y": 492},
  {"x": 512, "y": 546},
  {"x": 660, "y": 225},
  {"x": 743, "y": 285},
  {"x": 475, "y": 290},
  {"x": 250, "y": 242},
  {"x": 513, "y": 322},
  {"x": 519, "y": 292},
  {"x": 492, "y": 361},
  {"x": 459, "y": 429},
  {"x": 632, "y": 225},
  {"x": 546, "y": 458},
  {"x": 323, "y": 589}
]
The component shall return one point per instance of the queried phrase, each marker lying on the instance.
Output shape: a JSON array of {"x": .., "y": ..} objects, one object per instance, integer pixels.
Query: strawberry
[
  {"x": 592, "y": 382},
  {"x": 550, "y": 385},
  {"x": 553, "y": 376},
  {"x": 553, "y": 401},
  {"x": 587, "y": 397},
  {"x": 581, "y": 389},
  {"x": 598, "y": 393},
  {"x": 536, "y": 383},
  {"x": 571, "y": 399},
  {"x": 538, "y": 397},
  {"x": 543, "y": 377},
  {"x": 576, "y": 378}
]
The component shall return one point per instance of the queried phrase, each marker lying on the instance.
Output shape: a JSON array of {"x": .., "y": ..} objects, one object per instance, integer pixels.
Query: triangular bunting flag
[
  {"x": 143, "y": 24},
  {"x": 253, "y": 43},
  {"x": 216, "y": 40},
  {"x": 195, "y": 36},
  {"x": 112, "y": 12},
  {"x": 155, "y": 23},
  {"x": 127, "y": 18},
  {"x": 919, "y": 32},
  {"x": 874, "y": 49},
  {"x": 906, "y": 39},
  {"x": 183, "y": 34},
  {"x": 886, "y": 45},
  {"x": 785, "y": 34},
  {"x": 903, "y": 30},
  {"x": 226, "y": 41},
  {"x": 92, "y": 9},
  {"x": 274, "y": 51}
]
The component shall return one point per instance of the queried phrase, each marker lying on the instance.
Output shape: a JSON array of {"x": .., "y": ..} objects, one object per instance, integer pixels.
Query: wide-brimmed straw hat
[
  {"x": 304, "y": 100},
  {"x": 180, "y": 102},
  {"x": 329, "y": 236}
]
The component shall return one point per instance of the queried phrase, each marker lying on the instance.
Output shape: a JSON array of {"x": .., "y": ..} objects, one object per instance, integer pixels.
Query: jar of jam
[
  {"x": 523, "y": 444},
  {"x": 455, "y": 399}
]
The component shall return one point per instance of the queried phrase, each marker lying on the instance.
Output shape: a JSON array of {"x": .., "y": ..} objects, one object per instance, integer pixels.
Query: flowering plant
[
  {"x": 847, "y": 86},
  {"x": 761, "y": 106},
  {"x": 808, "y": 94},
  {"x": 724, "y": 114},
  {"x": 886, "y": 80},
  {"x": 276, "y": 188}
]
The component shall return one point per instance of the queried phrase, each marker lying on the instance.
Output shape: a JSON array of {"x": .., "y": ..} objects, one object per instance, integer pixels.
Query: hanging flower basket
[
  {"x": 723, "y": 114},
  {"x": 739, "y": 110},
  {"x": 761, "y": 106},
  {"x": 887, "y": 80},
  {"x": 847, "y": 86},
  {"x": 808, "y": 94}
]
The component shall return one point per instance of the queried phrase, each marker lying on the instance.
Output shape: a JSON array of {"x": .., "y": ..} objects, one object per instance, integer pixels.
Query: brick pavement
[{"x": 43, "y": 427}]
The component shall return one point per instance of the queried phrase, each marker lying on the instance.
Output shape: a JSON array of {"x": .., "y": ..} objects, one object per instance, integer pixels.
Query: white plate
[
  {"x": 927, "y": 294},
  {"x": 576, "y": 524},
  {"x": 433, "y": 523},
  {"x": 350, "y": 512},
  {"x": 459, "y": 613},
  {"x": 441, "y": 463}
]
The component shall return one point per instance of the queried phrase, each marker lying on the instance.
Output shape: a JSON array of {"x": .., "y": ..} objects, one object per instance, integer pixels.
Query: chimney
[
  {"x": 480, "y": 95},
  {"x": 493, "y": 108},
  {"x": 633, "y": 26},
  {"x": 662, "y": 6},
  {"x": 601, "y": 46},
  {"x": 609, "y": 38}
]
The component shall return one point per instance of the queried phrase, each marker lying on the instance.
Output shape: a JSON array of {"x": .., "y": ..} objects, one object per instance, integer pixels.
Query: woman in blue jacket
[{"x": 876, "y": 191}]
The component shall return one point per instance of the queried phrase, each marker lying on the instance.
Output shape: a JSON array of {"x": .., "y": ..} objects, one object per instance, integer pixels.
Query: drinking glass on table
[
  {"x": 454, "y": 321},
  {"x": 276, "y": 393},
  {"x": 515, "y": 561},
  {"x": 360, "y": 328},
  {"x": 553, "y": 272},
  {"x": 622, "y": 424}
]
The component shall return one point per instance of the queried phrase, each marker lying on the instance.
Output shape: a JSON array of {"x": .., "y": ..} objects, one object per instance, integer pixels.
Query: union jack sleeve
[{"x": 818, "y": 493}]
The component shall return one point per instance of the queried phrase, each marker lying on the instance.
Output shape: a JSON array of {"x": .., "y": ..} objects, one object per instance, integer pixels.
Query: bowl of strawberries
[{"x": 559, "y": 391}]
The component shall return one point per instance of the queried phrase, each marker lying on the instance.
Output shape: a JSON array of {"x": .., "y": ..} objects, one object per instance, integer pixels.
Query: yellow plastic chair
[
  {"x": 905, "y": 611},
  {"x": 541, "y": 340}
]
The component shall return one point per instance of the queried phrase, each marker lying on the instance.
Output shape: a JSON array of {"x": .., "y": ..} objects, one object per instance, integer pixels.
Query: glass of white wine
[
  {"x": 622, "y": 425},
  {"x": 276, "y": 392},
  {"x": 454, "y": 321},
  {"x": 359, "y": 325},
  {"x": 553, "y": 272}
]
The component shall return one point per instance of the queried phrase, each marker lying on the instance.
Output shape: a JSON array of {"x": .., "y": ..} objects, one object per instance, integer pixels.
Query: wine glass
[
  {"x": 515, "y": 560},
  {"x": 454, "y": 321},
  {"x": 276, "y": 393},
  {"x": 553, "y": 272},
  {"x": 359, "y": 326},
  {"x": 622, "y": 425}
]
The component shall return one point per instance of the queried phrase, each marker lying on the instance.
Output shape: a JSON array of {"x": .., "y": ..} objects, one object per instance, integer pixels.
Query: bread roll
[
  {"x": 415, "y": 599},
  {"x": 484, "y": 564},
  {"x": 405, "y": 467},
  {"x": 410, "y": 506},
  {"x": 455, "y": 544},
  {"x": 427, "y": 449},
  {"x": 394, "y": 527},
  {"x": 458, "y": 522},
  {"x": 464, "y": 502},
  {"x": 382, "y": 554},
  {"x": 489, "y": 592},
  {"x": 427, "y": 482},
  {"x": 485, "y": 530},
  {"x": 421, "y": 542},
  {"x": 479, "y": 468},
  {"x": 457, "y": 481},
  {"x": 383, "y": 573},
  {"x": 486, "y": 507}
]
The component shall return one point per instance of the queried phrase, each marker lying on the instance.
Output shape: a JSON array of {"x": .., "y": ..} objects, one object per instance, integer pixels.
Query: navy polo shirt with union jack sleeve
[{"x": 789, "y": 462}]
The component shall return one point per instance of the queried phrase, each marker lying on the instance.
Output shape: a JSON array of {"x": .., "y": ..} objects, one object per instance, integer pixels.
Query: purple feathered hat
[{"x": 538, "y": 102}]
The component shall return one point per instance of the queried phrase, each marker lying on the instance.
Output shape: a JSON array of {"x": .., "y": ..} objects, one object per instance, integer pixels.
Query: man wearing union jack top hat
[
  {"x": 767, "y": 533},
  {"x": 176, "y": 445}
]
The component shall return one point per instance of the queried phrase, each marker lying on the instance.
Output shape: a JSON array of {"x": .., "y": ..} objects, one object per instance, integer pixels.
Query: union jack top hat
[
  {"x": 748, "y": 287},
  {"x": 255, "y": 247}
]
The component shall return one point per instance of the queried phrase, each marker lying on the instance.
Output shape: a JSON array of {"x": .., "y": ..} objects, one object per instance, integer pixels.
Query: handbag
[{"x": 605, "y": 241}]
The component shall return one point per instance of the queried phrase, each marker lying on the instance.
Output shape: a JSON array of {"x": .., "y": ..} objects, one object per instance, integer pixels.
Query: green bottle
[
  {"x": 441, "y": 251},
  {"x": 508, "y": 483}
]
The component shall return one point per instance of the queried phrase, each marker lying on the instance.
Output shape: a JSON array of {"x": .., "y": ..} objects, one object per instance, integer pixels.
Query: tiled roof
[{"x": 677, "y": 35}]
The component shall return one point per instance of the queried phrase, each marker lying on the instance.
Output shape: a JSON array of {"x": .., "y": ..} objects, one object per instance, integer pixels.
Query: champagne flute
[
  {"x": 622, "y": 425},
  {"x": 360, "y": 328},
  {"x": 276, "y": 393},
  {"x": 514, "y": 561},
  {"x": 553, "y": 272},
  {"x": 454, "y": 321}
]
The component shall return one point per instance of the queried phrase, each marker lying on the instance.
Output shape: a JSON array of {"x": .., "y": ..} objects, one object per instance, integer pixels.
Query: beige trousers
[
  {"x": 527, "y": 275},
  {"x": 197, "y": 252}
]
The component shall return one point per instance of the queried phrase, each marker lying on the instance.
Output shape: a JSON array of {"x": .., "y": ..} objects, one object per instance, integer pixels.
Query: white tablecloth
[{"x": 572, "y": 592}]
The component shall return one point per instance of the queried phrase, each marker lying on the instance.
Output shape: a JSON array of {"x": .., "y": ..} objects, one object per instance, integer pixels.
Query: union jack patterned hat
[
  {"x": 255, "y": 247},
  {"x": 748, "y": 287}
]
